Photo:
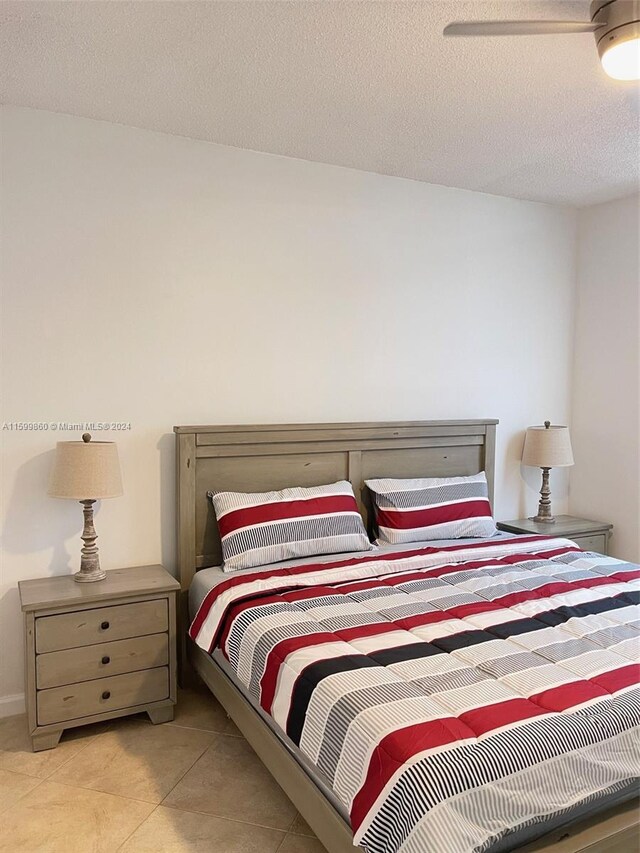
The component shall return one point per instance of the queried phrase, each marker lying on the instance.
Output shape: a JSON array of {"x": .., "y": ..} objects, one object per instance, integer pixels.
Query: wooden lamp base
[
  {"x": 90, "y": 560},
  {"x": 544, "y": 515}
]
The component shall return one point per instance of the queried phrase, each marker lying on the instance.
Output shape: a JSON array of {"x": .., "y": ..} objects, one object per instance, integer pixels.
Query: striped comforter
[{"x": 447, "y": 696}]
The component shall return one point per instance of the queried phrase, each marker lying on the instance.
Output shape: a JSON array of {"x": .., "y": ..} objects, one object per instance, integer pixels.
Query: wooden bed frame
[{"x": 266, "y": 457}]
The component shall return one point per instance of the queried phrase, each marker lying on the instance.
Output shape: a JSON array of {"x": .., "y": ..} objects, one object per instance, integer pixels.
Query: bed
[{"x": 272, "y": 457}]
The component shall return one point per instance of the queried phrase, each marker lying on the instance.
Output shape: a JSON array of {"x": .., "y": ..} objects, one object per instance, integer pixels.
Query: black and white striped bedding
[{"x": 448, "y": 695}]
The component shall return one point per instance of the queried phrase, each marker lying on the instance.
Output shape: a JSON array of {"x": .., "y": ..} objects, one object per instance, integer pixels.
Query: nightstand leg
[
  {"x": 161, "y": 715},
  {"x": 47, "y": 740}
]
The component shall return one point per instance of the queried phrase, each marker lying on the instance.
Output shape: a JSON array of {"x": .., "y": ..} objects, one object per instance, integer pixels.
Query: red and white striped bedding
[
  {"x": 447, "y": 696},
  {"x": 260, "y": 528},
  {"x": 428, "y": 508}
]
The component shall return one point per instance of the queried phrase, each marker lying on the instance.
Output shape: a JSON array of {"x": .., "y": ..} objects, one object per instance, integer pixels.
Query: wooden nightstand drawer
[
  {"x": 70, "y": 666},
  {"x": 102, "y": 695},
  {"x": 592, "y": 543},
  {"x": 88, "y": 627}
]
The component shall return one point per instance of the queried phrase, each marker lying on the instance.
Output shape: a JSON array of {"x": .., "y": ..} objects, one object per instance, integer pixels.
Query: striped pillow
[
  {"x": 267, "y": 527},
  {"x": 432, "y": 508}
]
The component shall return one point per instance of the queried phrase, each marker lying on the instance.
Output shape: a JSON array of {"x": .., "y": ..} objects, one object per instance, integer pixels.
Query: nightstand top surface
[
  {"x": 564, "y": 525},
  {"x": 63, "y": 590}
]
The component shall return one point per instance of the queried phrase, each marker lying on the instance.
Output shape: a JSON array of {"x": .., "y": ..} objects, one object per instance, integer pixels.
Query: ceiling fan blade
[{"x": 519, "y": 28}]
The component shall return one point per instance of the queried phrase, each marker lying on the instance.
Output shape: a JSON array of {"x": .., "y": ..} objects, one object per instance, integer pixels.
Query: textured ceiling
[{"x": 371, "y": 85}]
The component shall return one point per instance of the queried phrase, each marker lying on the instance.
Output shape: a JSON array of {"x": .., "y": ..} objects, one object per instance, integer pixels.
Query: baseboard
[{"x": 11, "y": 705}]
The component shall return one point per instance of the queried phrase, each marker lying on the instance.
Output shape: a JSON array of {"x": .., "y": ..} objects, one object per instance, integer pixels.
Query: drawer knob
[
  {"x": 106, "y": 659},
  {"x": 106, "y": 694},
  {"x": 104, "y": 625}
]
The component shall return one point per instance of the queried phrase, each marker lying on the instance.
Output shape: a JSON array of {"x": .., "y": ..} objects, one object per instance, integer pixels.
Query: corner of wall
[{"x": 12, "y": 705}]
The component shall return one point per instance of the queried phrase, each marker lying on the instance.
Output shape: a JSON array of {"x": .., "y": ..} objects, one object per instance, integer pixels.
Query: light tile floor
[{"x": 190, "y": 786}]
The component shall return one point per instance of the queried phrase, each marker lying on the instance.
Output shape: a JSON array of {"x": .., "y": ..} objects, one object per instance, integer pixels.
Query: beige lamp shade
[
  {"x": 86, "y": 470},
  {"x": 547, "y": 447}
]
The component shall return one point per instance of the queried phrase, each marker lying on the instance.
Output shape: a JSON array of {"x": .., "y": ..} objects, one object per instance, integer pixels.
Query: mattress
[{"x": 456, "y": 697}]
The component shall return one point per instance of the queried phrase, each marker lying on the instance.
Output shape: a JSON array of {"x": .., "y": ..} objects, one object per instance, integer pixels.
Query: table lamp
[
  {"x": 546, "y": 447},
  {"x": 87, "y": 471}
]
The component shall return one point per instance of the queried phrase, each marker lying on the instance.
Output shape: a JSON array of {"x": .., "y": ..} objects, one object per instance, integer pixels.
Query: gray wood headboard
[{"x": 275, "y": 456}]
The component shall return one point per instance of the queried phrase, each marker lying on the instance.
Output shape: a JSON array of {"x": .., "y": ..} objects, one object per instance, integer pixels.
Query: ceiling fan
[{"x": 615, "y": 24}]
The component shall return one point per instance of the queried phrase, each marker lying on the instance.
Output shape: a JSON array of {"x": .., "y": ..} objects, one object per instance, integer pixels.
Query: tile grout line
[
  {"x": 127, "y": 796},
  {"x": 286, "y": 835},
  {"x": 142, "y": 822},
  {"x": 209, "y": 814},
  {"x": 90, "y": 740},
  {"x": 48, "y": 776},
  {"x": 156, "y": 805},
  {"x": 82, "y": 787},
  {"x": 26, "y": 793},
  {"x": 106, "y": 793},
  {"x": 205, "y": 731},
  {"x": 162, "y": 803},
  {"x": 192, "y": 765},
  {"x": 227, "y": 818}
]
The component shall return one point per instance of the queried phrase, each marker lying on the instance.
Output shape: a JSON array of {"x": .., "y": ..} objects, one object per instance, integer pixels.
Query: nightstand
[
  {"x": 589, "y": 535},
  {"x": 95, "y": 651}
]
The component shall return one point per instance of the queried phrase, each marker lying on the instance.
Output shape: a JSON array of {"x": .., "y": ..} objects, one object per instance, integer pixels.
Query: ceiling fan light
[{"x": 622, "y": 60}]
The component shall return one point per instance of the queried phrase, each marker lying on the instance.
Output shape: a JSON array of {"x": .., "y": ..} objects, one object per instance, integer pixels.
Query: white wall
[
  {"x": 605, "y": 483},
  {"x": 158, "y": 280}
]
